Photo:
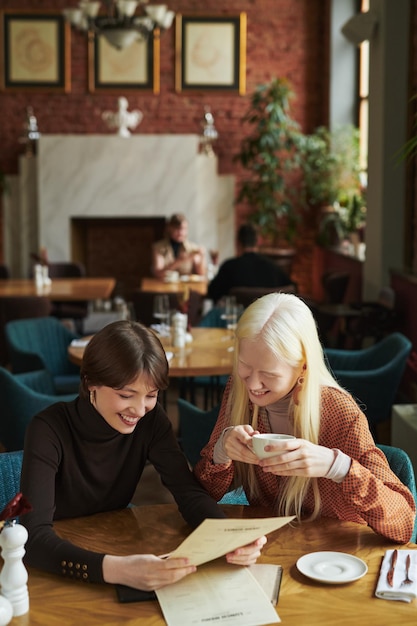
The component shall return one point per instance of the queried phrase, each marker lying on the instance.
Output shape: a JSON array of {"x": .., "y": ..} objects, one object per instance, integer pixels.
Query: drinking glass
[
  {"x": 231, "y": 313},
  {"x": 161, "y": 311}
]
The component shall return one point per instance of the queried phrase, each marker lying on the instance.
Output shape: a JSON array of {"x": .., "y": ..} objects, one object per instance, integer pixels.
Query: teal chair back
[
  {"x": 42, "y": 343},
  {"x": 10, "y": 470},
  {"x": 401, "y": 465},
  {"x": 372, "y": 375},
  {"x": 195, "y": 427},
  {"x": 20, "y": 403}
]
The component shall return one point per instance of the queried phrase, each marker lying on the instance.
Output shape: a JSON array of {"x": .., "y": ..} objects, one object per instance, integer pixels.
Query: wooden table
[
  {"x": 209, "y": 354},
  {"x": 61, "y": 289},
  {"x": 195, "y": 282},
  {"x": 160, "y": 528}
]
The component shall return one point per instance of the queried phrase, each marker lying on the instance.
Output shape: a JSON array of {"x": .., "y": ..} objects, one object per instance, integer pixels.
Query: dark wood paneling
[{"x": 119, "y": 247}]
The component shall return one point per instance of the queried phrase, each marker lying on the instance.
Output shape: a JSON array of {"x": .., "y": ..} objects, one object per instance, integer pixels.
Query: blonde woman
[{"x": 281, "y": 384}]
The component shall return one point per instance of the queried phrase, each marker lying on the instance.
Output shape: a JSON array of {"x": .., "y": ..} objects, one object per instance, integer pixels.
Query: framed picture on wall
[
  {"x": 210, "y": 53},
  {"x": 35, "y": 51},
  {"x": 134, "y": 67}
]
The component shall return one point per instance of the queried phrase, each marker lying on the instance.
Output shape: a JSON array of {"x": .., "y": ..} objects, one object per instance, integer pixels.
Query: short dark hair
[
  {"x": 121, "y": 351},
  {"x": 247, "y": 236},
  {"x": 176, "y": 220}
]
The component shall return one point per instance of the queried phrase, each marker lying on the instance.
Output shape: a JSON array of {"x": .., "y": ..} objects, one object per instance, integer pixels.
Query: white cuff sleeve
[
  {"x": 340, "y": 466},
  {"x": 219, "y": 454}
]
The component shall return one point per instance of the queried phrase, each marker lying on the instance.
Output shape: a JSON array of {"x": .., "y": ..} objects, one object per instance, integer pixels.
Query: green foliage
[
  {"x": 338, "y": 223},
  {"x": 331, "y": 167},
  {"x": 271, "y": 153},
  {"x": 290, "y": 173}
]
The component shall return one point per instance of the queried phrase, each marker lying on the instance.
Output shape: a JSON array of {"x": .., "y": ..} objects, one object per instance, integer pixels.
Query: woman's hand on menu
[
  {"x": 247, "y": 555},
  {"x": 144, "y": 571}
]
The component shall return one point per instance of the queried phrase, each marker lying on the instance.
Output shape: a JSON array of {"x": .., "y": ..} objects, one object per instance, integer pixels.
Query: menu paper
[
  {"x": 218, "y": 593},
  {"x": 216, "y": 537}
]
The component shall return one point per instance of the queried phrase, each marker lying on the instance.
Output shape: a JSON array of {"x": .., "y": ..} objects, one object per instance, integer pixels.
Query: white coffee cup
[
  {"x": 266, "y": 439},
  {"x": 171, "y": 276}
]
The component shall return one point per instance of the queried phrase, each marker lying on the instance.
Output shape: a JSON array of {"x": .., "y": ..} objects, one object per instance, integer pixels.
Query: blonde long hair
[{"x": 286, "y": 325}]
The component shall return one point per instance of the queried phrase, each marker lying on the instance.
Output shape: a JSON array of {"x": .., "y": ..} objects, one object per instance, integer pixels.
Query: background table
[
  {"x": 62, "y": 289},
  {"x": 195, "y": 282},
  {"x": 160, "y": 528},
  {"x": 209, "y": 354}
]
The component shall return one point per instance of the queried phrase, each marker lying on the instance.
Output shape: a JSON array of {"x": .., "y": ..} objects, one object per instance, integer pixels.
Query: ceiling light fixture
[{"x": 121, "y": 25}]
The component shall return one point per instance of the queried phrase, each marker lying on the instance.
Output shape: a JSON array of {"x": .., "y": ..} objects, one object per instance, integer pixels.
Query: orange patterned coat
[{"x": 369, "y": 494}]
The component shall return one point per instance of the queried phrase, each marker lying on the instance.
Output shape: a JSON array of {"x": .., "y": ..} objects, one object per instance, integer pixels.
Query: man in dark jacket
[{"x": 248, "y": 269}]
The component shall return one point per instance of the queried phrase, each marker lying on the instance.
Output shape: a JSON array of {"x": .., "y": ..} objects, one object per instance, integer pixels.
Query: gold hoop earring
[
  {"x": 92, "y": 397},
  {"x": 297, "y": 389}
]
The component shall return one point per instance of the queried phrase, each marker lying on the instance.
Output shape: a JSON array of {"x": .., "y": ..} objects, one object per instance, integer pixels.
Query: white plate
[{"x": 332, "y": 567}]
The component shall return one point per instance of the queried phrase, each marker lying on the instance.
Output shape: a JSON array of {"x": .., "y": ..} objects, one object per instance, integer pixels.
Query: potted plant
[
  {"x": 271, "y": 156},
  {"x": 320, "y": 170},
  {"x": 332, "y": 182}
]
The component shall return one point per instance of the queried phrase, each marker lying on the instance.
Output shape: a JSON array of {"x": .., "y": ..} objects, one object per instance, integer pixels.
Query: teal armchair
[
  {"x": 372, "y": 375},
  {"x": 401, "y": 465},
  {"x": 21, "y": 401},
  {"x": 10, "y": 470},
  {"x": 195, "y": 427},
  {"x": 42, "y": 343}
]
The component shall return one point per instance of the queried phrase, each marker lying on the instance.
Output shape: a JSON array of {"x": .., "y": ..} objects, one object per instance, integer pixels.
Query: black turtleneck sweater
[{"x": 76, "y": 464}]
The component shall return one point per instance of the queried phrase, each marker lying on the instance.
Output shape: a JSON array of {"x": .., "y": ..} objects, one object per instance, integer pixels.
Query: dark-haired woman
[{"x": 87, "y": 456}]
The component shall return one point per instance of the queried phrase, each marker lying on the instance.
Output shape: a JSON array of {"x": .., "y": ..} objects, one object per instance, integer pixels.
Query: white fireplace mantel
[{"x": 108, "y": 176}]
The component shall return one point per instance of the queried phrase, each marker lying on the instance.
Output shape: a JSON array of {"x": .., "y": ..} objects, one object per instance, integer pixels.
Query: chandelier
[{"x": 120, "y": 25}]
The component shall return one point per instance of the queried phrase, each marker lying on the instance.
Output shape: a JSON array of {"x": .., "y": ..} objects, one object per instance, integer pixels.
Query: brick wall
[{"x": 284, "y": 38}]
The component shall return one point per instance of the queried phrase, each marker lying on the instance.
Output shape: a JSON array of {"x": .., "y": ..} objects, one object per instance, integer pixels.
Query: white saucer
[{"x": 332, "y": 567}]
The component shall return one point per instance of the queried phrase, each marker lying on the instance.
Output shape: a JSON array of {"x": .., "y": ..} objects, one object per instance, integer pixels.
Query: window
[{"x": 363, "y": 108}]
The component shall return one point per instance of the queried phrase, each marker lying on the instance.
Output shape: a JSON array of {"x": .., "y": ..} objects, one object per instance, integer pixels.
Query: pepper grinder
[
  {"x": 6, "y": 611},
  {"x": 14, "y": 576}
]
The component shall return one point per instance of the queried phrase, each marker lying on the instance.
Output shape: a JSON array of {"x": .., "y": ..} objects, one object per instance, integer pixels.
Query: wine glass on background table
[
  {"x": 231, "y": 313},
  {"x": 213, "y": 264},
  {"x": 161, "y": 312}
]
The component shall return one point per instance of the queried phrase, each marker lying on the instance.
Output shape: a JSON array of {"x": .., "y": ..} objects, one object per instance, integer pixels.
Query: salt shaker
[
  {"x": 179, "y": 329},
  {"x": 14, "y": 576},
  {"x": 38, "y": 275},
  {"x": 46, "y": 281},
  {"x": 6, "y": 611}
]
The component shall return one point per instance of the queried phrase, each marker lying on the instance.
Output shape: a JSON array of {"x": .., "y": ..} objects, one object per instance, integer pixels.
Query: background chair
[
  {"x": 328, "y": 313},
  {"x": 42, "y": 343},
  {"x": 76, "y": 310},
  {"x": 372, "y": 375},
  {"x": 195, "y": 427},
  {"x": 195, "y": 307},
  {"x": 19, "y": 307},
  {"x": 374, "y": 319},
  {"x": 10, "y": 470},
  {"x": 401, "y": 465},
  {"x": 4, "y": 271},
  {"x": 20, "y": 403}
]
